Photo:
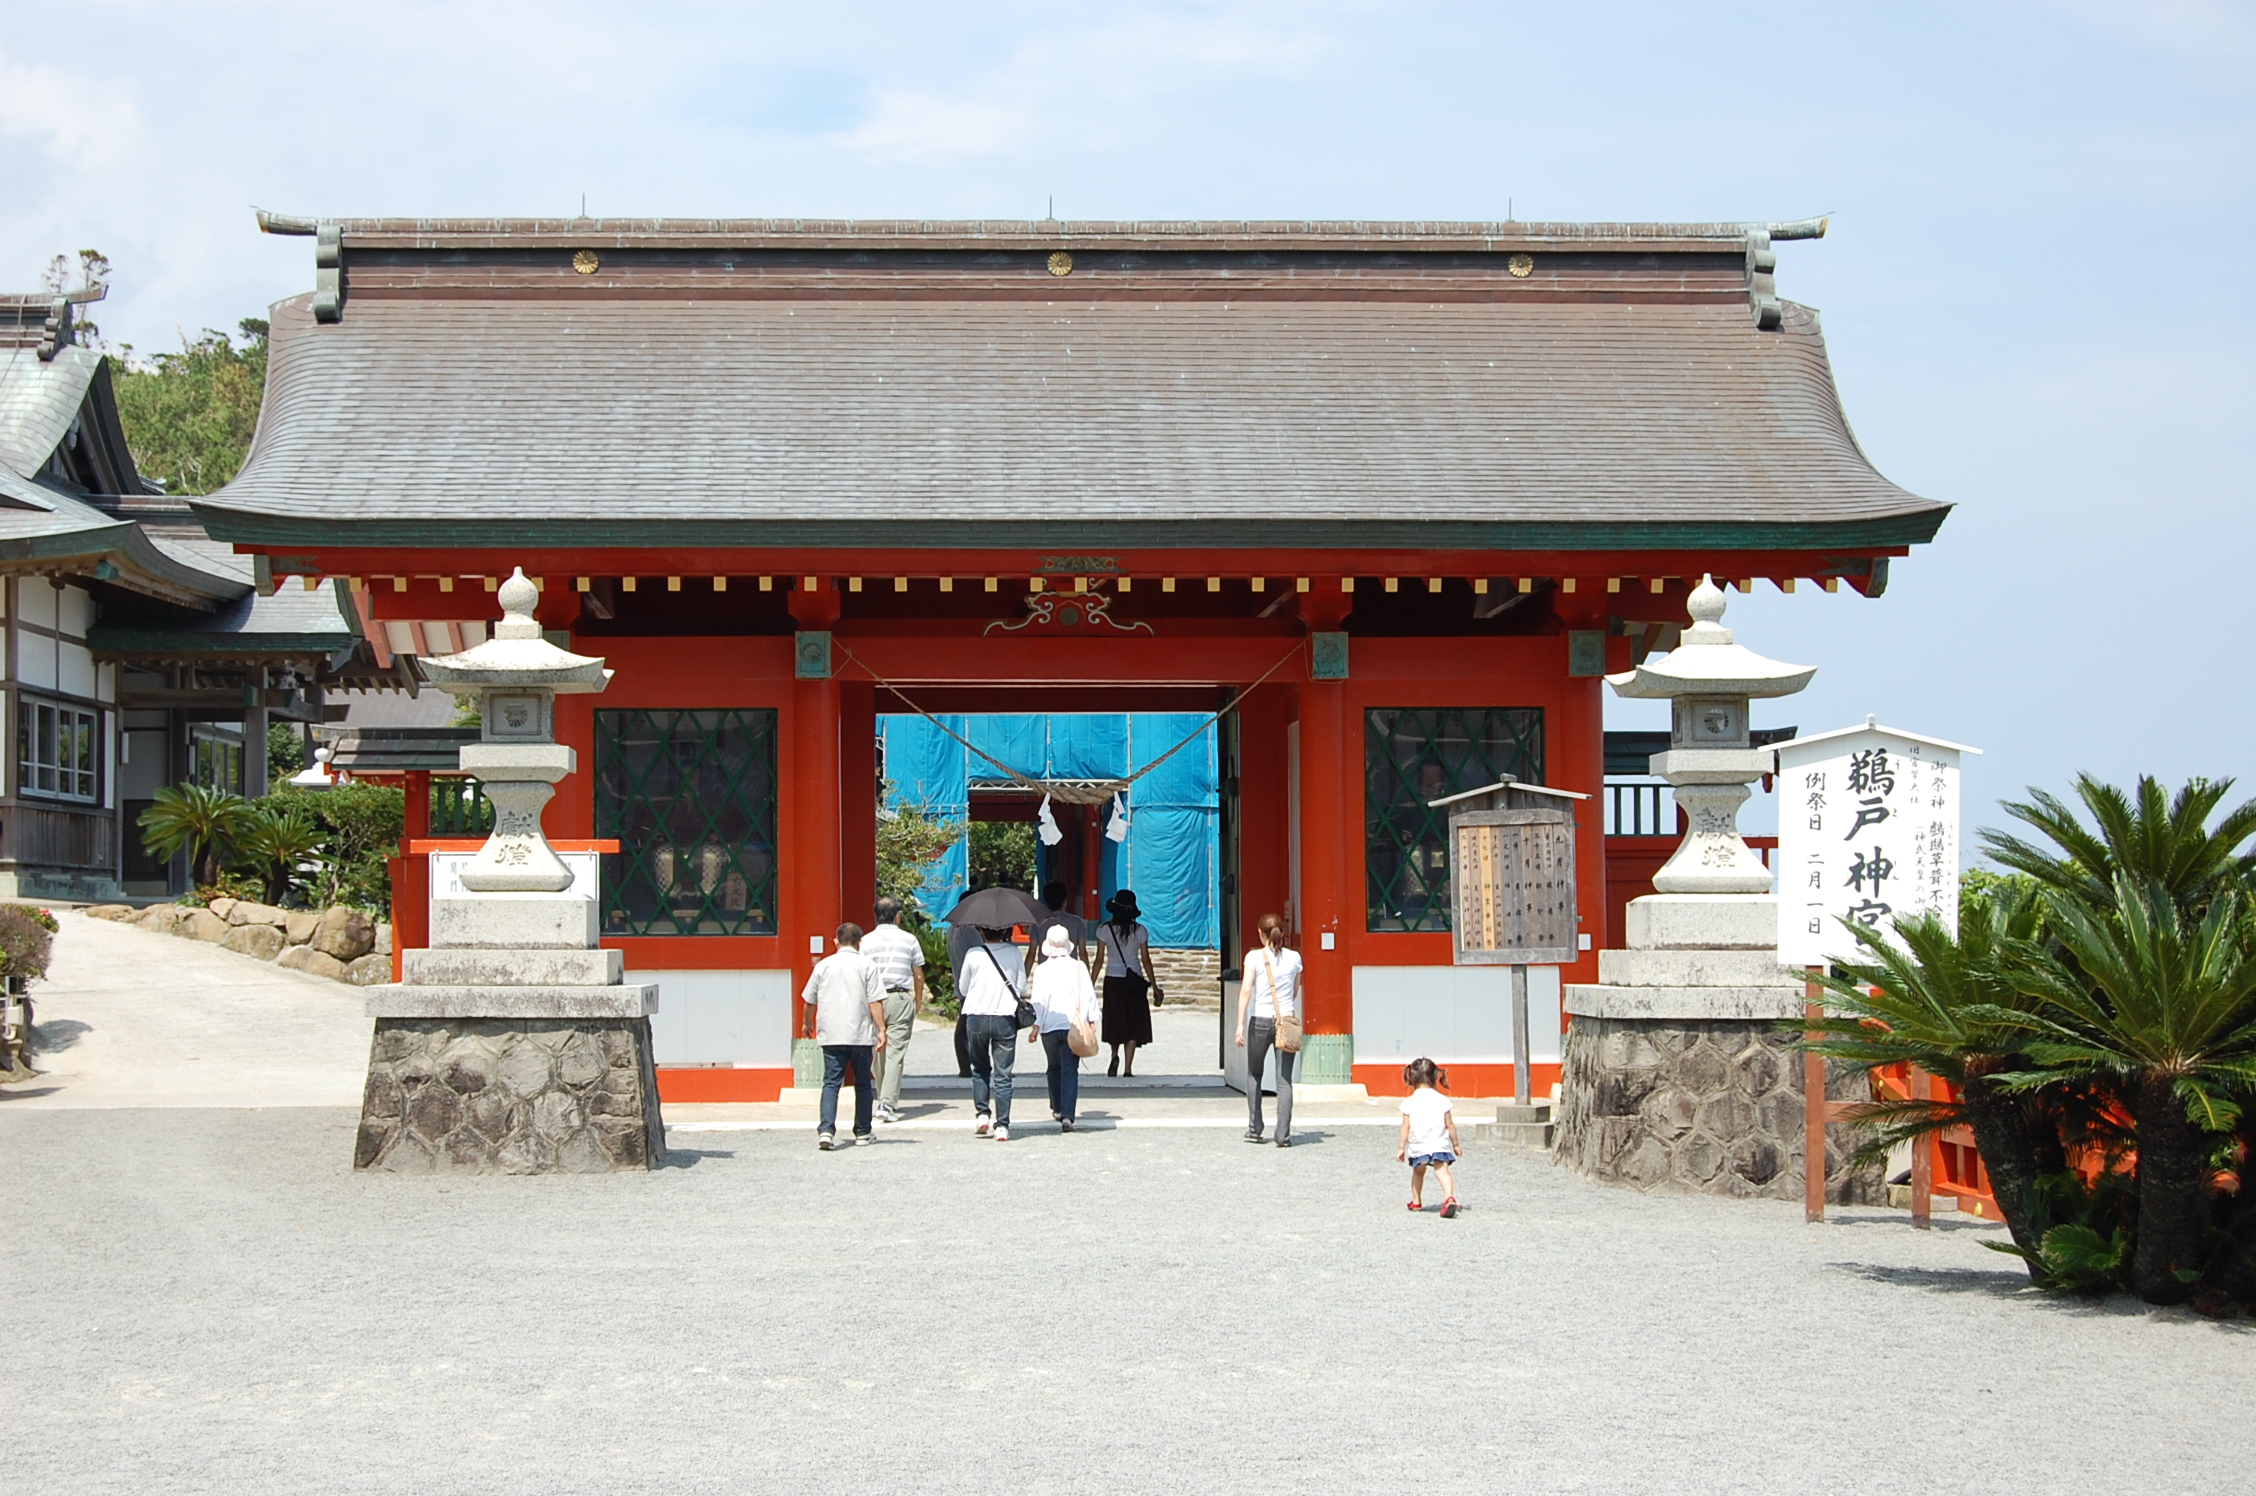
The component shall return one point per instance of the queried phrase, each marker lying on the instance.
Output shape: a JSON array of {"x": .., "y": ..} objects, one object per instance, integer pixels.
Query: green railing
[{"x": 460, "y": 808}]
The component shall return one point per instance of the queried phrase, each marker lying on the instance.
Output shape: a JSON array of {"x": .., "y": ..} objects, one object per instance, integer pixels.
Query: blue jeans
[
  {"x": 836, "y": 1058},
  {"x": 1064, "y": 1074},
  {"x": 994, "y": 1049}
]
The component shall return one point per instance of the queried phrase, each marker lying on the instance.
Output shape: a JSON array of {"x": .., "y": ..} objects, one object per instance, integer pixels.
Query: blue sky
[{"x": 2036, "y": 289}]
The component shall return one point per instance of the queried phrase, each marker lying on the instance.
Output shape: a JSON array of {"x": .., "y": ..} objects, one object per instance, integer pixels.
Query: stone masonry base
[
  {"x": 510, "y": 1096},
  {"x": 1709, "y": 1106}
]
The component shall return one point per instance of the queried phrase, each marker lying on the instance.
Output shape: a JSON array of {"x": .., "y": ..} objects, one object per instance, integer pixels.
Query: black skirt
[{"x": 1127, "y": 1011}]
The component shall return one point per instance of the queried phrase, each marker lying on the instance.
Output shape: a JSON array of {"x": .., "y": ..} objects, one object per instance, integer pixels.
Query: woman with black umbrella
[{"x": 1128, "y": 977}]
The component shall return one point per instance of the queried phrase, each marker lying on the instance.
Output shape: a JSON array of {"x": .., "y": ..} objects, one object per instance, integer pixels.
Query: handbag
[
  {"x": 1081, "y": 1038},
  {"x": 1288, "y": 1029}
]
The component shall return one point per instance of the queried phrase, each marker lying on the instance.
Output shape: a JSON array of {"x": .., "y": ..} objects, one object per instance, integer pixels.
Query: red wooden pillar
[
  {"x": 1264, "y": 836},
  {"x": 1331, "y": 871},
  {"x": 411, "y": 876},
  {"x": 812, "y": 894},
  {"x": 857, "y": 824}
]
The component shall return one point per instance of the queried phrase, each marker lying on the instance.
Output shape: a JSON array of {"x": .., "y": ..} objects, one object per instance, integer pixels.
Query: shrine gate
[{"x": 1396, "y": 494}]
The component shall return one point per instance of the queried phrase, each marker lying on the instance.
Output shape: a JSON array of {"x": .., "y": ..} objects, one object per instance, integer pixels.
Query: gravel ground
[{"x": 209, "y": 1300}]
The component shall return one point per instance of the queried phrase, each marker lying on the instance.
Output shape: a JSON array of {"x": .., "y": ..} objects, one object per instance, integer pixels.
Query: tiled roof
[{"x": 767, "y": 422}]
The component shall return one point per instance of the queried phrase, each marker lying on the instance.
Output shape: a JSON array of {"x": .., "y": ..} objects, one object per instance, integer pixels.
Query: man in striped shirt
[{"x": 899, "y": 959}]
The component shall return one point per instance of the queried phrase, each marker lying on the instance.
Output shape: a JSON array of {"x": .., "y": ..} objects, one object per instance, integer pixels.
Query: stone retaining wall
[
  {"x": 1191, "y": 976},
  {"x": 510, "y": 1096},
  {"x": 342, "y": 944},
  {"x": 1711, "y": 1106}
]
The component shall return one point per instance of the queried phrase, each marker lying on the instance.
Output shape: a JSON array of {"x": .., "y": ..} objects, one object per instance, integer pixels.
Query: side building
[{"x": 135, "y": 652}]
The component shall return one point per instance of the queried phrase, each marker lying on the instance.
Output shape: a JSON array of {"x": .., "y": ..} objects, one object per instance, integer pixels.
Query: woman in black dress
[{"x": 1128, "y": 977}]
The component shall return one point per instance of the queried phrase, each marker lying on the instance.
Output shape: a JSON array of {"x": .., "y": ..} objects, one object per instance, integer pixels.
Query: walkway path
[{"x": 131, "y": 1018}]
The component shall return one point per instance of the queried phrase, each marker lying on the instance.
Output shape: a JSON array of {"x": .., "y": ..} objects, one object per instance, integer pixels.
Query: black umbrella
[{"x": 998, "y": 909}]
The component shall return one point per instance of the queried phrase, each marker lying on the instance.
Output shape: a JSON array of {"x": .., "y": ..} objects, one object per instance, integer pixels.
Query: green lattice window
[
  {"x": 691, "y": 796},
  {"x": 1412, "y": 755}
]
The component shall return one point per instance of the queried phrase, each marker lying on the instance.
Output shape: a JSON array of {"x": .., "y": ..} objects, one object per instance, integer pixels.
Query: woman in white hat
[{"x": 1063, "y": 996}]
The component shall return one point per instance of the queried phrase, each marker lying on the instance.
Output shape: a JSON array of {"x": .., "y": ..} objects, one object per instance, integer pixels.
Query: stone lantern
[
  {"x": 514, "y": 1045},
  {"x": 1677, "y": 1073},
  {"x": 516, "y": 676},
  {"x": 1711, "y": 759}
]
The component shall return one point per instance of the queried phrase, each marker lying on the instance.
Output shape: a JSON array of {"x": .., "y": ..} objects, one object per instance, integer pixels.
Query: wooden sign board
[{"x": 1512, "y": 887}]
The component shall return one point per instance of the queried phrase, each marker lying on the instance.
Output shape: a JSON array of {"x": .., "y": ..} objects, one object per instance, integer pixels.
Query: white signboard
[
  {"x": 446, "y": 873},
  {"x": 1867, "y": 831}
]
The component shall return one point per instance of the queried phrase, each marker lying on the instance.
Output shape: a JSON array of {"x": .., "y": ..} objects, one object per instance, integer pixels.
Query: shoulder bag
[
  {"x": 1138, "y": 983},
  {"x": 1023, "y": 1015},
  {"x": 1288, "y": 1029},
  {"x": 1081, "y": 1037}
]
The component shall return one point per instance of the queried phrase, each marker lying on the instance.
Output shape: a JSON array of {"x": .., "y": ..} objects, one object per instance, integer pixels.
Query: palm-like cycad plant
[
  {"x": 2156, "y": 838},
  {"x": 206, "y": 821},
  {"x": 275, "y": 842},
  {"x": 1940, "y": 1002},
  {"x": 2163, "y": 1005}
]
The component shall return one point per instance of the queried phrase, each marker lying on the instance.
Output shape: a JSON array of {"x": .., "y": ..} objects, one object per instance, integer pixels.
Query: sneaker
[
  {"x": 862, "y": 1140},
  {"x": 887, "y": 1114},
  {"x": 1253, "y": 1137},
  {"x": 1002, "y": 1134},
  {"x": 1065, "y": 1124},
  {"x": 983, "y": 1128},
  {"x": 826, "y": 1141},
  {"x": 1284, "y": 1142}
]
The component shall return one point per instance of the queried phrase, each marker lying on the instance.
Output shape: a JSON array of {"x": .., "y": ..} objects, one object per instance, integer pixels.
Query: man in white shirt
[
  {"x": 988, "y": 980},
  {"x": 849, "y": 1004},
  {"x": 1271, "y": 986},
  {"x": 899, "y": 959}
]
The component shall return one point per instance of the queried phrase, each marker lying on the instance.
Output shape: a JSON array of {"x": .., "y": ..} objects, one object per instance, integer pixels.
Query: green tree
[
  {"x": 206, "y": 821},
  {"x": 909, "y": 837},
  {"x": 2159, "y": 839},
  {"x": 2163, "y": 1005},
  {"x": 1002, "y": 854},
  {"x": 360, "y": 826},
  {"x": 189, "y": 415},
  {"x": 285, "y": 751}
]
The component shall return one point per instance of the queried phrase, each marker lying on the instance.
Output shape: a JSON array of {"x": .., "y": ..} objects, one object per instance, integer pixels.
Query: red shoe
[
  {"x": 1414, "y": 1205},
  {"x": 1449, "y": 1207}
]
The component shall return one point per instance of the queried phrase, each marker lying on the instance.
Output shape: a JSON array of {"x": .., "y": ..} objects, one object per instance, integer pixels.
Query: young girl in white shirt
[{"x": 1429, "y": 1133}]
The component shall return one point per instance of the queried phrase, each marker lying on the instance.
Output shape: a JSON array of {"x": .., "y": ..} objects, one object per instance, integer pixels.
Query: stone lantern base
[
  {"x": 1677, "y": 1075},
  {"x": 510, "y": 1096},
  {"x": 513, "y": 1048}
]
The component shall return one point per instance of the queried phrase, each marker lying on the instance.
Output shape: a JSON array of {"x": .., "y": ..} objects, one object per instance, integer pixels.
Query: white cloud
[{"x": 80, "y": 122}]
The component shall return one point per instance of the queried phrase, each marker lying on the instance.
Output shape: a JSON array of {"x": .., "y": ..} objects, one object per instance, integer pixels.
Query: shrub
[
  {"x": 27, "y": 938},
  {"x": 360, "y": 826}
]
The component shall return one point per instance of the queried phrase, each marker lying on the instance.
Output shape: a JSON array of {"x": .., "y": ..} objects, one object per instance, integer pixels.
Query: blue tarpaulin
[{"x": 1171, "y": 856}]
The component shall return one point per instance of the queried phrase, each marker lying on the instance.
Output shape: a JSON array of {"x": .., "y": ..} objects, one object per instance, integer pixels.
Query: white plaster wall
[
  {"x": 740, "y": 1018},
  {"x": 74, "y": 669},
  {"x": 36, "y": 598},
  {"x": 35, "y": 660},
  {"x": 75, "y": 609},
  {"x": 1453, "y": 1014}
]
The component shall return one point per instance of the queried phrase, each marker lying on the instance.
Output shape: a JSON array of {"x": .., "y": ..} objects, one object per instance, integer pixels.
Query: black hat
[{"x": 1123, "y": 903}]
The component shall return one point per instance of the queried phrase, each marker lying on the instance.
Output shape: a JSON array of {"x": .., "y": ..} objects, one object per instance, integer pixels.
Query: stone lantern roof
[
  {"x": 1706, "y": 662},
  {"x": 517, "y": 656}
]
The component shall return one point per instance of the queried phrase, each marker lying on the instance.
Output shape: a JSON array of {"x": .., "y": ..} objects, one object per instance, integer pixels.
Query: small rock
[
  {"x": 119, "y": 912},
  {"x": 298, "y": 928},
  {"x": 202, "y": 924},
  {"x": 383, "y": 938},
  {"x": 261, "y": 940},
  {"x": 343, "y": 933},
  {"x": 370, "y": 970},
  {"x": 221, "y": 905},
  {"x": 247, "y": 913},
  {"x": 162, "y": 918},
  {"x": 315, "y": 963}
]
